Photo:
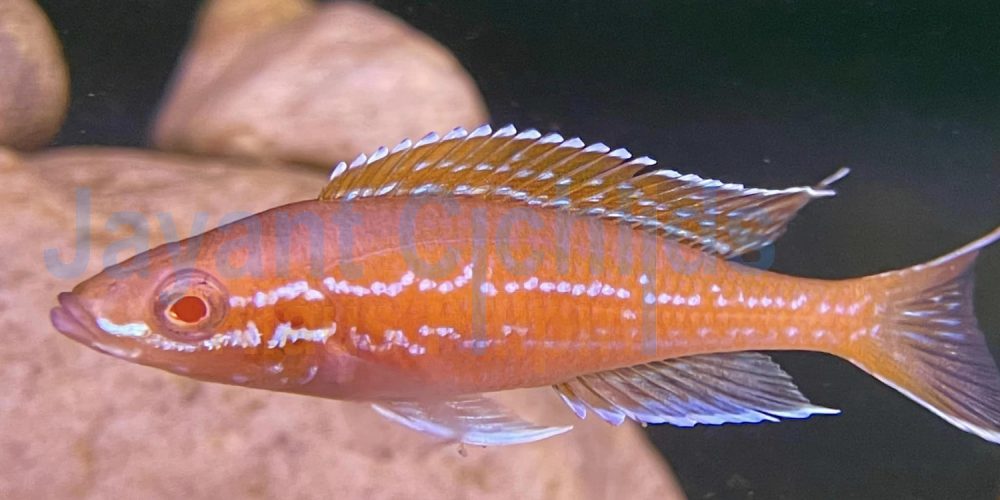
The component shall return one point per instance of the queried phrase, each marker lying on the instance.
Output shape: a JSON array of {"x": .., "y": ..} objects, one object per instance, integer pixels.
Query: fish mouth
[{"x": 73, "y": 320}]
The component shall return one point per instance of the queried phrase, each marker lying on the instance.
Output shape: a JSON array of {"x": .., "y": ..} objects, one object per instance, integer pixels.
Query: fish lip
[{"x": 71, "y": 319}]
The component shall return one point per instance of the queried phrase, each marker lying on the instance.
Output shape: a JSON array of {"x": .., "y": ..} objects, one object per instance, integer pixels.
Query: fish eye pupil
[{"x": 188, "y": 309}]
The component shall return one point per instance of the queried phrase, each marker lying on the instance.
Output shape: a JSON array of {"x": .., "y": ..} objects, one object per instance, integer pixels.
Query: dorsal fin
[{"x": 550, "y": 171}]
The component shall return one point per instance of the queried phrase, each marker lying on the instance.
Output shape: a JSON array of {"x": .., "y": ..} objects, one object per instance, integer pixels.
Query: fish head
[{"x": 153, "y": 311}]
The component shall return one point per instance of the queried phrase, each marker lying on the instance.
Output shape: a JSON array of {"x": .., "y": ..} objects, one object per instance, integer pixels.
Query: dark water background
[{"x": 764, "y": 93}]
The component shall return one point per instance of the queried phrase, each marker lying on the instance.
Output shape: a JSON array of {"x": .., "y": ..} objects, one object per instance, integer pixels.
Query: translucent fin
[
  {"x": 928, "y": 345},
  {"x": 719, "y": 218},
  {"x": 740, "y": 387},
  {"x": 474, "y": 420}
]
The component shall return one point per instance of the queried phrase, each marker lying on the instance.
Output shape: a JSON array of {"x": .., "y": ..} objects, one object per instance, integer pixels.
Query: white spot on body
[
  {"x": 284, "y": 333},
  {"x": 531, "y": 283},
  {"x": 249, "y": 337},
  {"x": 407, "y": 278},
  {"x": 260, "y": 299},
  {"x": 799, "y": 301},
  {"x": 488, "y": 289},
  {"x": 137, "y": 329},
  {"x": 396, "y": 337},
  {"x": 363, "y": 343},
  {"x": 477, "y": 343}
]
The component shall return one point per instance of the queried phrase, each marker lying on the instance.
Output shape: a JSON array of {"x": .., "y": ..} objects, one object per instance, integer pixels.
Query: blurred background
[{"x": 769, "y": 94}]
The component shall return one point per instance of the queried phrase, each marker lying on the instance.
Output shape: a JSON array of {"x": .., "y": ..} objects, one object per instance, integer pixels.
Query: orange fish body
[
  {"x": 424, "y": 277},
  {"x": 548, "y": 310}
]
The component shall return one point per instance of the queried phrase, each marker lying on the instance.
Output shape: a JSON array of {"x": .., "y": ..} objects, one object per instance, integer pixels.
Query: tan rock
[
  {"x": 223, "y": 30},
  {"x": 343, "y": 79},
  {"x": 34, "y": 80},
  {"x": 81, "y": 424}
]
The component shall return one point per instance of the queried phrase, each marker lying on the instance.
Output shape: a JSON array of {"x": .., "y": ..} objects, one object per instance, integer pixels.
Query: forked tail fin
[{"x": 928, "y": 345}]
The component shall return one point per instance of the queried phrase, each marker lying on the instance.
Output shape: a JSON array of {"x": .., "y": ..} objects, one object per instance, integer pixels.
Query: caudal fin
[{"x": 928, "y": 345}]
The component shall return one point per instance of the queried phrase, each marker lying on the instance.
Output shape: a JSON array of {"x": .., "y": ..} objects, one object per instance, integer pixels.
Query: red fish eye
[
  {"x": 188, "y": 309},
  {"x": 190, "y": 304}
]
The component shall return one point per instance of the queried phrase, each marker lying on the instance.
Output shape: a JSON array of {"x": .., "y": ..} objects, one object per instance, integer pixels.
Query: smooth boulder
[
  {"x": 312, "y": 85},
  {"x": 34, "y": 79}
]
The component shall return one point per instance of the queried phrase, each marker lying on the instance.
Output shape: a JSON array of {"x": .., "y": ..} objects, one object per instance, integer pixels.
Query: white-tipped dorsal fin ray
[
  {"x": 547, "y": 170},
  {"x": 741, "y": 387},
  {"x": 474, "y": 420},
  {"x": 507, "y": 130}
]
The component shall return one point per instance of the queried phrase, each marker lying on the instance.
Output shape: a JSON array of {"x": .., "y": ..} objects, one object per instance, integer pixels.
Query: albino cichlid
[{"x": 425, "y": 276}]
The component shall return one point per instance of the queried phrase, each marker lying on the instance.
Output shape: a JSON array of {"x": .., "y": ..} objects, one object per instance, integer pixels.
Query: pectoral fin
[
  {"x": 741, "y": 387},
  {"x": 474, "y": 420}
]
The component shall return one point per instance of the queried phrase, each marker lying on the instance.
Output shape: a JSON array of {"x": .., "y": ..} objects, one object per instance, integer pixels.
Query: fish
[{"x": 427, "y": 276}]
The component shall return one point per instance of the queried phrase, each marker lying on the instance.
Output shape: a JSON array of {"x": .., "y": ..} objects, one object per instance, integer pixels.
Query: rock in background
[
  {"x": 308, "y": 84},
  {"x": 77, "y": 423},
  {"x": 34, "y": 80}
]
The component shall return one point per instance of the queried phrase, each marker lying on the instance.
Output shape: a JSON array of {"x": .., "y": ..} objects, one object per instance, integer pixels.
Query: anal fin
[
  {"x": 474, "y": 420},
  {"x": 740, "y": 387}
]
